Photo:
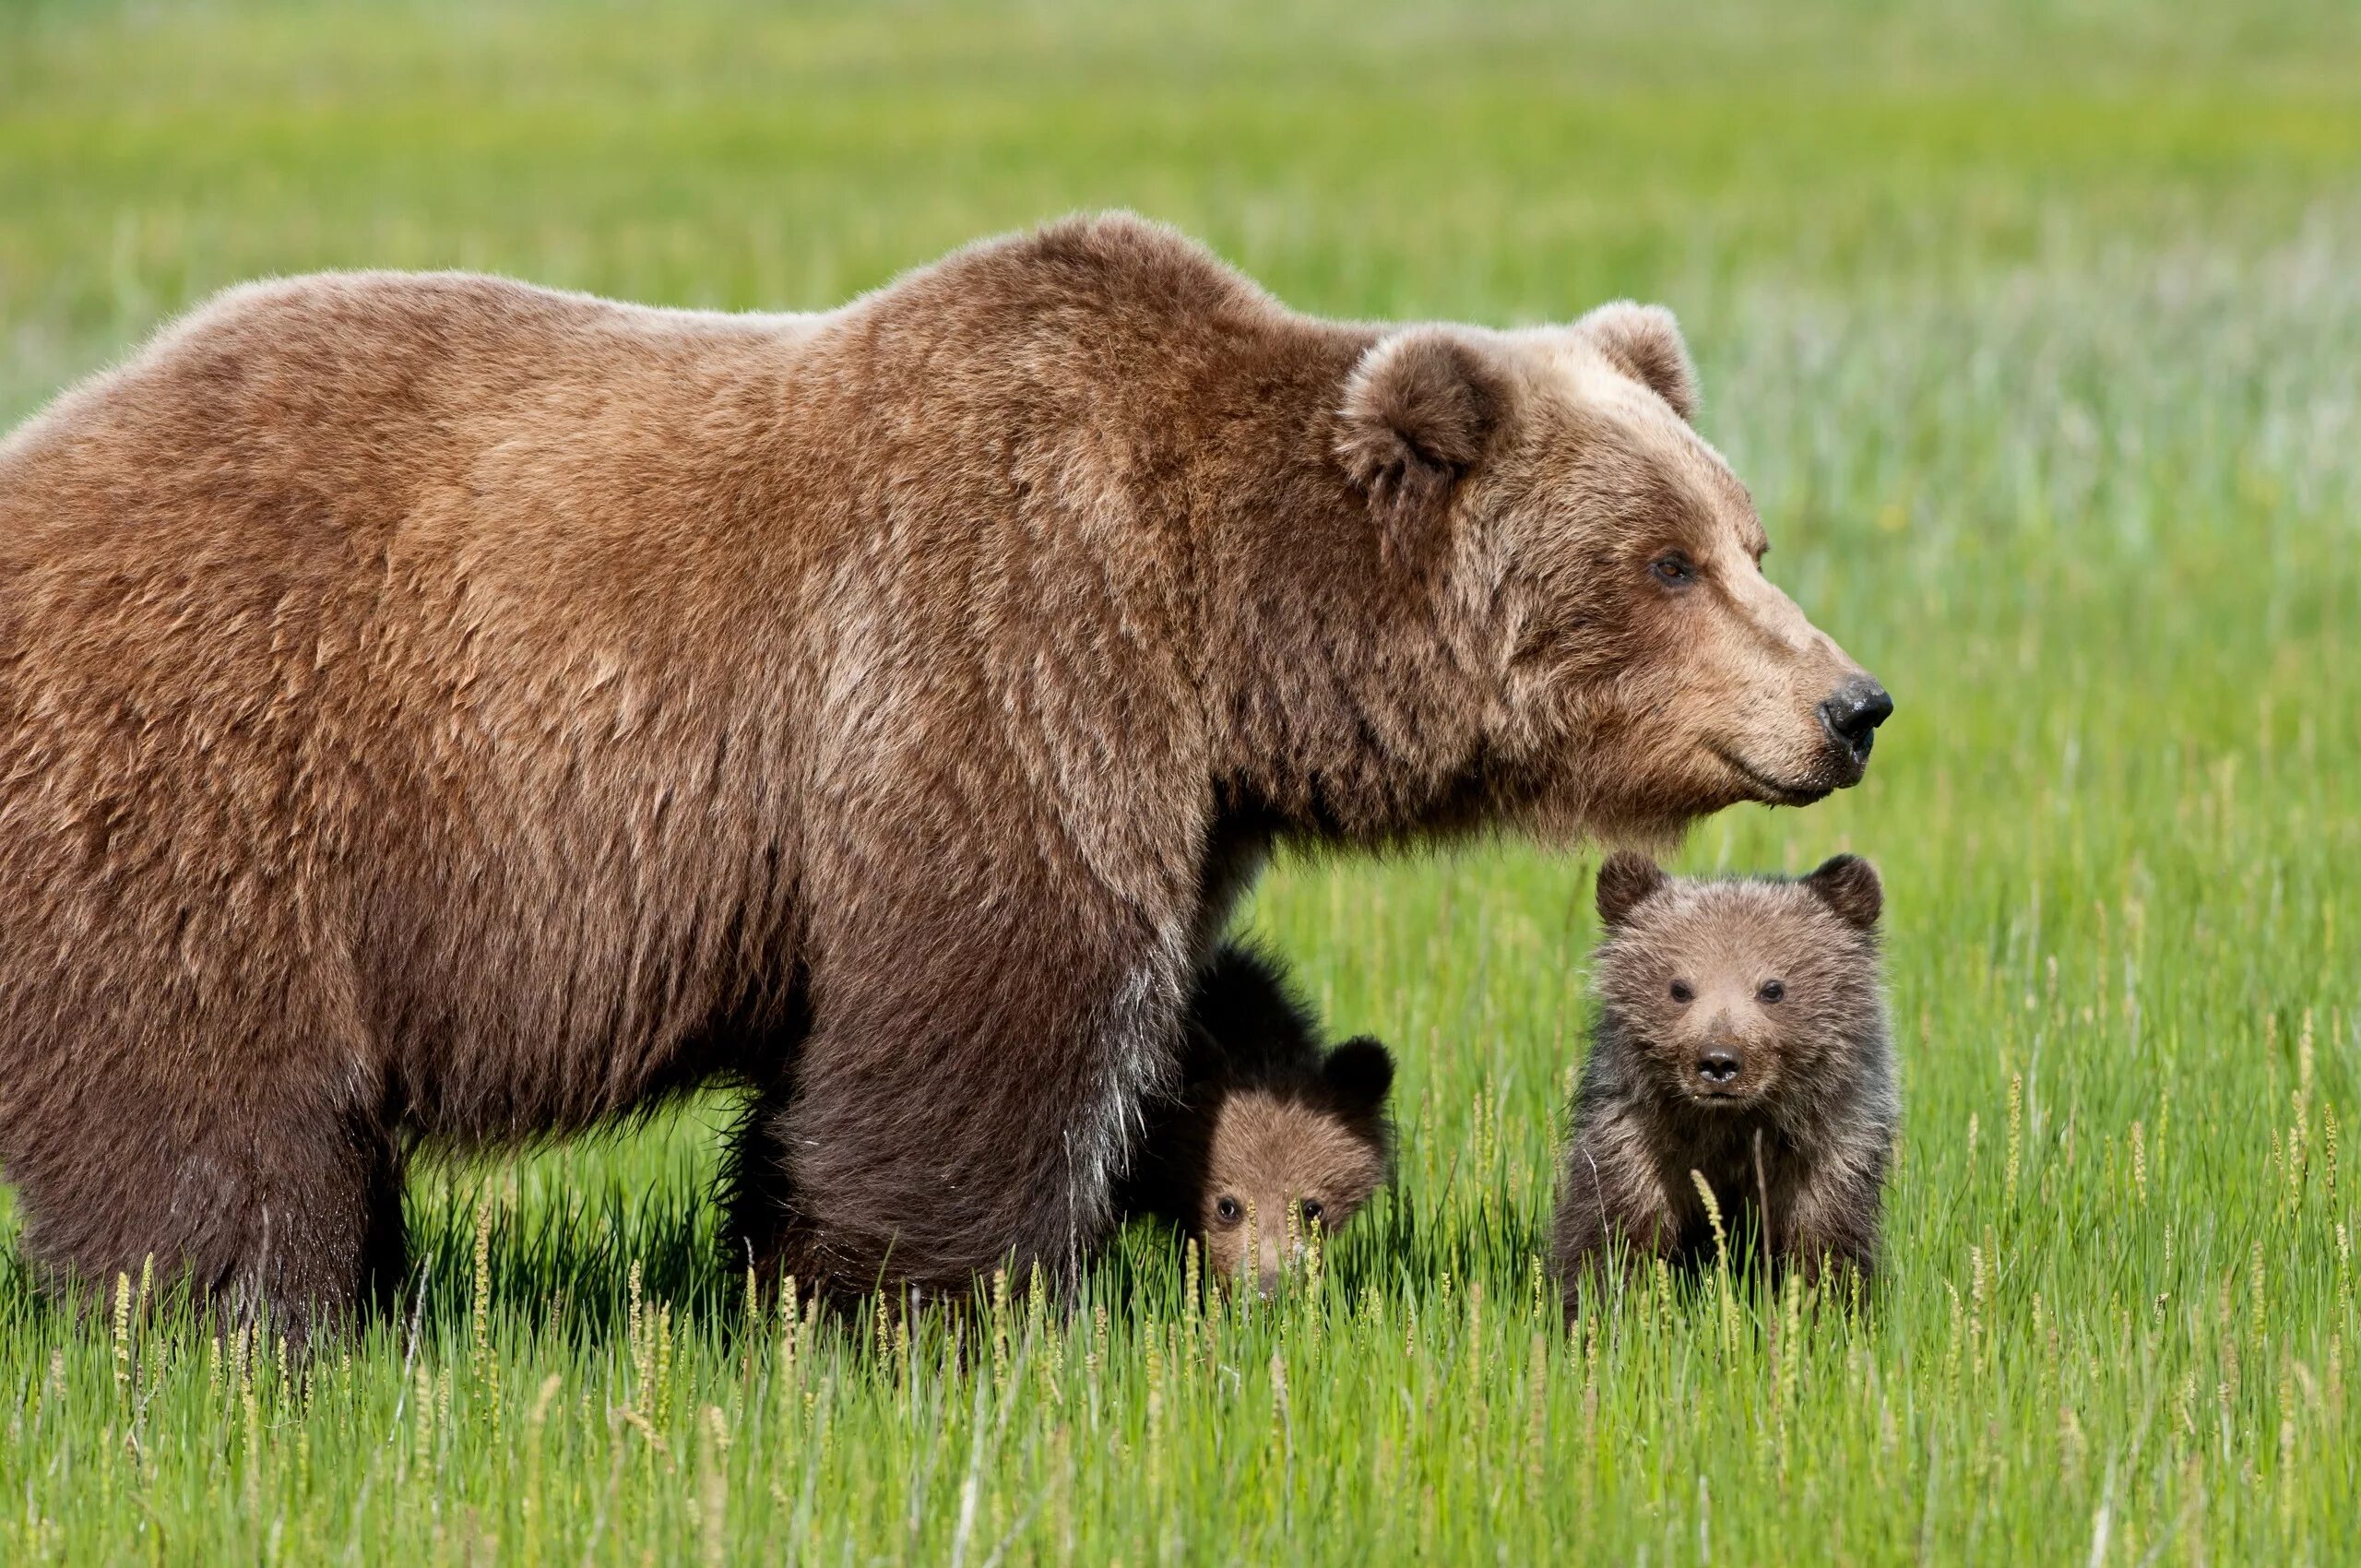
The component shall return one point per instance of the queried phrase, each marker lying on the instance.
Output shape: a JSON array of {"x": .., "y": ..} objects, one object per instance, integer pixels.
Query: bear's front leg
[{"x": 972, "y": 1090}]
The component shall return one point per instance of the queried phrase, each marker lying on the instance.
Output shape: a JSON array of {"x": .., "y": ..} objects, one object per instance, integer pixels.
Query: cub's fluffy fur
[
  {"x": 1742, "y": 1037},
  {"x": 1270, "y": 1132}
]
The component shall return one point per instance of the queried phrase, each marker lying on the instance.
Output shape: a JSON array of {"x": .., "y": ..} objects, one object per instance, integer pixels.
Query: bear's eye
[
  {"x": 1681, "y": 993},
  {"x": 1310, "y": 1210},
  {"x": 1673, "y": 569},
  {"x": 1772, "y": 991},
  {"x": 1227, "y": 1211}
]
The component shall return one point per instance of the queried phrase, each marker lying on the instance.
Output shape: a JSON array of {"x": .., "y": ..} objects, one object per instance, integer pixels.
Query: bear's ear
[
  {"x": 1628, "y": 880},
  {"x": 1849, "y": 885},
  {"x": 1644, "y": 343},
  {"x": 1418, "y": 411},
  {"x": 1360, "y": 1074}
]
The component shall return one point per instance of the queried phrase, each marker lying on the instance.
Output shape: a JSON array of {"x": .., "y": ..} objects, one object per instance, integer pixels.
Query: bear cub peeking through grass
[
  {"x": 1270, "y": 1134},
  {"x": 1741, "y": 1038}
]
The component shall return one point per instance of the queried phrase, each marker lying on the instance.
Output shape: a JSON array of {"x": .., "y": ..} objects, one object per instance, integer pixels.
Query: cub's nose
[
  {"x": 1854, "y": 713},
  {"x": 1718, "y": 1065}
]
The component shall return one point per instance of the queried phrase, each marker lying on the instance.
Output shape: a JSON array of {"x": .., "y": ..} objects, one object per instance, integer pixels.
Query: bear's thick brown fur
[
  {"x": 1741, "y": 1039},
  {"x": 1271, "y": 1131},
  {"x": 434, "y": 707}
]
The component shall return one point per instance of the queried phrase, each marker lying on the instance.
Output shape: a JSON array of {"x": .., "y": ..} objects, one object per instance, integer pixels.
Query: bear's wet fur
[
  {"x": 1271, "y": 1131},
  {"x": 1742, "y": 1037},
  {"x": 439, "y": 710}
]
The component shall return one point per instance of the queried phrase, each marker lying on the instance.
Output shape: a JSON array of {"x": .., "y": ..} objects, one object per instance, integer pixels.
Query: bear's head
[
  {"x": 1282, "y": 1156},
  {"x": 1606, "y": 566},
  {"x": 1740, "y": 993}
]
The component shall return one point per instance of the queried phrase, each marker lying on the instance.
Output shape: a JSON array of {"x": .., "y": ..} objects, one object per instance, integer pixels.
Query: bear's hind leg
[{"x": 291, "y": 1218}]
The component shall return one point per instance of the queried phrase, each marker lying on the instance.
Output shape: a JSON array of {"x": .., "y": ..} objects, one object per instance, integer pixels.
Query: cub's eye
[
  {"x": 1681, "y": 993},
  {"x": 1227, "y": 1211},
  {"x": 1772, "y": 991},
  {"x": 1673, "y": 570},
  {"x": 1311, "y": 1210}
]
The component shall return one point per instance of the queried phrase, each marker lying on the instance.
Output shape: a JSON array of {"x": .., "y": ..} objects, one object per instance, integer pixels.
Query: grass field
[{"x": 2037, "y": 332}]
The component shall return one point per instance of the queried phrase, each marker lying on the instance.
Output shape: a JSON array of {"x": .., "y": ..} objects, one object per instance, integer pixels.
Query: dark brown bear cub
[
  {"x": 1742, "y": 1037},
  {"x": 1270, "y": 1134}
]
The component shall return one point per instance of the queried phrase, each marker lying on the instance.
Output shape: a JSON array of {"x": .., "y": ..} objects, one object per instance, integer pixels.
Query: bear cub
[
  {"x": 1742, "y": 1037},
  {"x": 1269, "y": 1132}
]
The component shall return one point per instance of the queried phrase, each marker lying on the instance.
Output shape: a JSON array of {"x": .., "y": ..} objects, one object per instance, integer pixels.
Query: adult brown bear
[{"x": 432, "y": 707}]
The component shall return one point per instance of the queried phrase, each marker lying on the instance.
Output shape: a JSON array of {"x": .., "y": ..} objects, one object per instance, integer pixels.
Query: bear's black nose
[
  {"x": 1854, "y": 713},
  {"x": 1718, "y": 1065}
]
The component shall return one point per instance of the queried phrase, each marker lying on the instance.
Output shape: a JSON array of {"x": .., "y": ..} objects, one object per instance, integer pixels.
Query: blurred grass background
[{"x": 2036, "y": 330}]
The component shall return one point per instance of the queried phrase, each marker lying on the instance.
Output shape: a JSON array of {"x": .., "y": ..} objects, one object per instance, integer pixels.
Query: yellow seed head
[
  {"x": 2016, "y": 1128},
  {"x": 1713, "y": 1215},
  {"x": 2327, "y": 1116},
  {"x": 123, "y": 1330},
  {"x": 2304, "y": 1060}
]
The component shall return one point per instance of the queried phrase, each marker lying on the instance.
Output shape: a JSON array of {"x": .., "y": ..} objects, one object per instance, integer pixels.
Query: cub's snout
[{"x": 1720, "y": 1068}]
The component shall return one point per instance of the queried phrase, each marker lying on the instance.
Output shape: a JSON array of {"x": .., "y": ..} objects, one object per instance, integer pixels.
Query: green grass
[{"x": 2036, "y": 333}]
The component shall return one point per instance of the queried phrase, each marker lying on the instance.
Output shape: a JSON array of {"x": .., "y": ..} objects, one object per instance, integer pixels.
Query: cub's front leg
[
  {"x": 1612, "y": 1204},
  {"x": 1832, "y": 1226}
]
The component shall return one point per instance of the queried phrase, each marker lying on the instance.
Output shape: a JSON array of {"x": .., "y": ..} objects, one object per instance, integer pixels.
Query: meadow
[{"x": 2037, "y": 331}]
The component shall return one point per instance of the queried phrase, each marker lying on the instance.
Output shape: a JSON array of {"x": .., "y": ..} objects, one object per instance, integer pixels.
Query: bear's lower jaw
[
  {"x": 1762, "y": 787},
  {"x": 1627, "y": 813}
]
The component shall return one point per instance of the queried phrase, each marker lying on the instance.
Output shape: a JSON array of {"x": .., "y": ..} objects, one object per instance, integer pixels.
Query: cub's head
[
  {"x": 1648, "y": 673},
  {"x": 1282, "y": 1155},
  {"x": 1739, "y": 993}
]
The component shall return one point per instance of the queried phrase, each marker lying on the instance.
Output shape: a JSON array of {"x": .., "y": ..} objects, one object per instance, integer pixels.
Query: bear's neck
[{"x": 1346, "y": 694}]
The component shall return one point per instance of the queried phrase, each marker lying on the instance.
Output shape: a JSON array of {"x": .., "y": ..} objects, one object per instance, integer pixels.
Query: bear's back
[{"x": 334, "y": 400}]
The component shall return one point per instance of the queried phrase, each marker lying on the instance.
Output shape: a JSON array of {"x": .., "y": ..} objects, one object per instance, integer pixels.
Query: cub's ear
[
  {"x": 1204, "y": 1066},
  {"x": 1628, "y": 880},
  {"x": 1849, "y": 885},
  {"x": 1418, "y": 411},
  {"x": 1644, "y": 343},
  {"x": 1360, "y": 1073}
]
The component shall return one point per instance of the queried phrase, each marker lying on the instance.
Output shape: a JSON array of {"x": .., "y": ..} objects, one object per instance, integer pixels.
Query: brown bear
[
  {"x": 1269, "y": 1134},
  {"x": 1741, "y": 1038},
  {"x": 435, "y": 709}
]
